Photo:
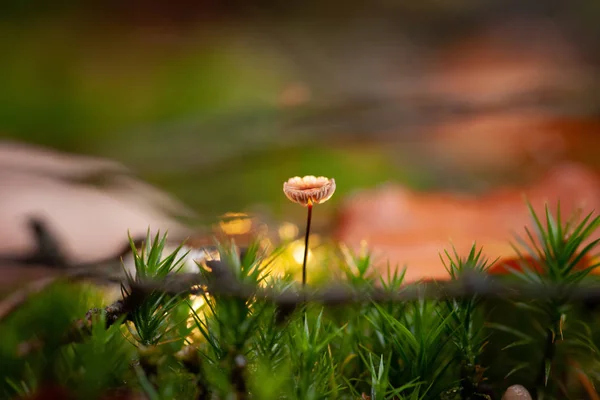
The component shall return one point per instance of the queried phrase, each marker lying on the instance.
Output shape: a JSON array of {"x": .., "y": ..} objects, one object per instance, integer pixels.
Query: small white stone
[{"x": 516, "y": 392}]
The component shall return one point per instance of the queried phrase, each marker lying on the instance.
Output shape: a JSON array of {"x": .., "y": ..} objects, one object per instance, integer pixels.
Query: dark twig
[
  {"x": 481, "y": 285},
  {"x": 48, "y": 255},
  {"x": 47, "y": 250},
  {"x": 475, "y": 284},
  {"x": 221, "y": 281}
]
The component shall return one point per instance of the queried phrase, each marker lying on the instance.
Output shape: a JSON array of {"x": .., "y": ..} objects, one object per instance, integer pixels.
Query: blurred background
[{"x": 217, "y": 103}]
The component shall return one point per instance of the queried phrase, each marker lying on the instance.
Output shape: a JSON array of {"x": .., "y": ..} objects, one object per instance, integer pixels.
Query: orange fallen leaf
[
  {"x": 510, "y": 89},
  {"x": 411, "y": 228},
  {"x": 504, "y": 266}
]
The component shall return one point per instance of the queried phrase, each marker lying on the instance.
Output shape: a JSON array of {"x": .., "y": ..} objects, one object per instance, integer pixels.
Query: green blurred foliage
[{"x": 68, "y": 86}]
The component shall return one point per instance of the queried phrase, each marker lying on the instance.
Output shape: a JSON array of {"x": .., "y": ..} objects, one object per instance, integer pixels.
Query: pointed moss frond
[
  {"x": 457, "y": 265},
  {"x": 152, "y": 320},
  {"x": 557, "y": 250}
]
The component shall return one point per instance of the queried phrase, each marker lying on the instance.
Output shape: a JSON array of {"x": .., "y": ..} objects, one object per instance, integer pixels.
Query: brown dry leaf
[
  {"x": 500, "y": 143},
  {"x": 89, "y": 220},
  {"x": 508, "y": 59},
  {"x": 518, "y": 75},
  {"x": 411, "y": 228}
]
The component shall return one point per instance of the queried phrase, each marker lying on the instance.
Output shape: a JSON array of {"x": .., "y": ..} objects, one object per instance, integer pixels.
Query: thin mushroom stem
[{"x": 308, "y": 219}]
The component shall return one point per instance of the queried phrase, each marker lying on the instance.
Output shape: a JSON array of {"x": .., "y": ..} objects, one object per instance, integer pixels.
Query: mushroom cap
[{"x": 309, "y": 190}]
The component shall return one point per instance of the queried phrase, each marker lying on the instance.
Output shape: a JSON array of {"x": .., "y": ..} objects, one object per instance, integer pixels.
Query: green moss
[{"x": 464, "y": 347}]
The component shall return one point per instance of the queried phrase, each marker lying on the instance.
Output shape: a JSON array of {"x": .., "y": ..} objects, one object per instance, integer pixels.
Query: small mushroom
[{"x": 307, "y": 191}]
